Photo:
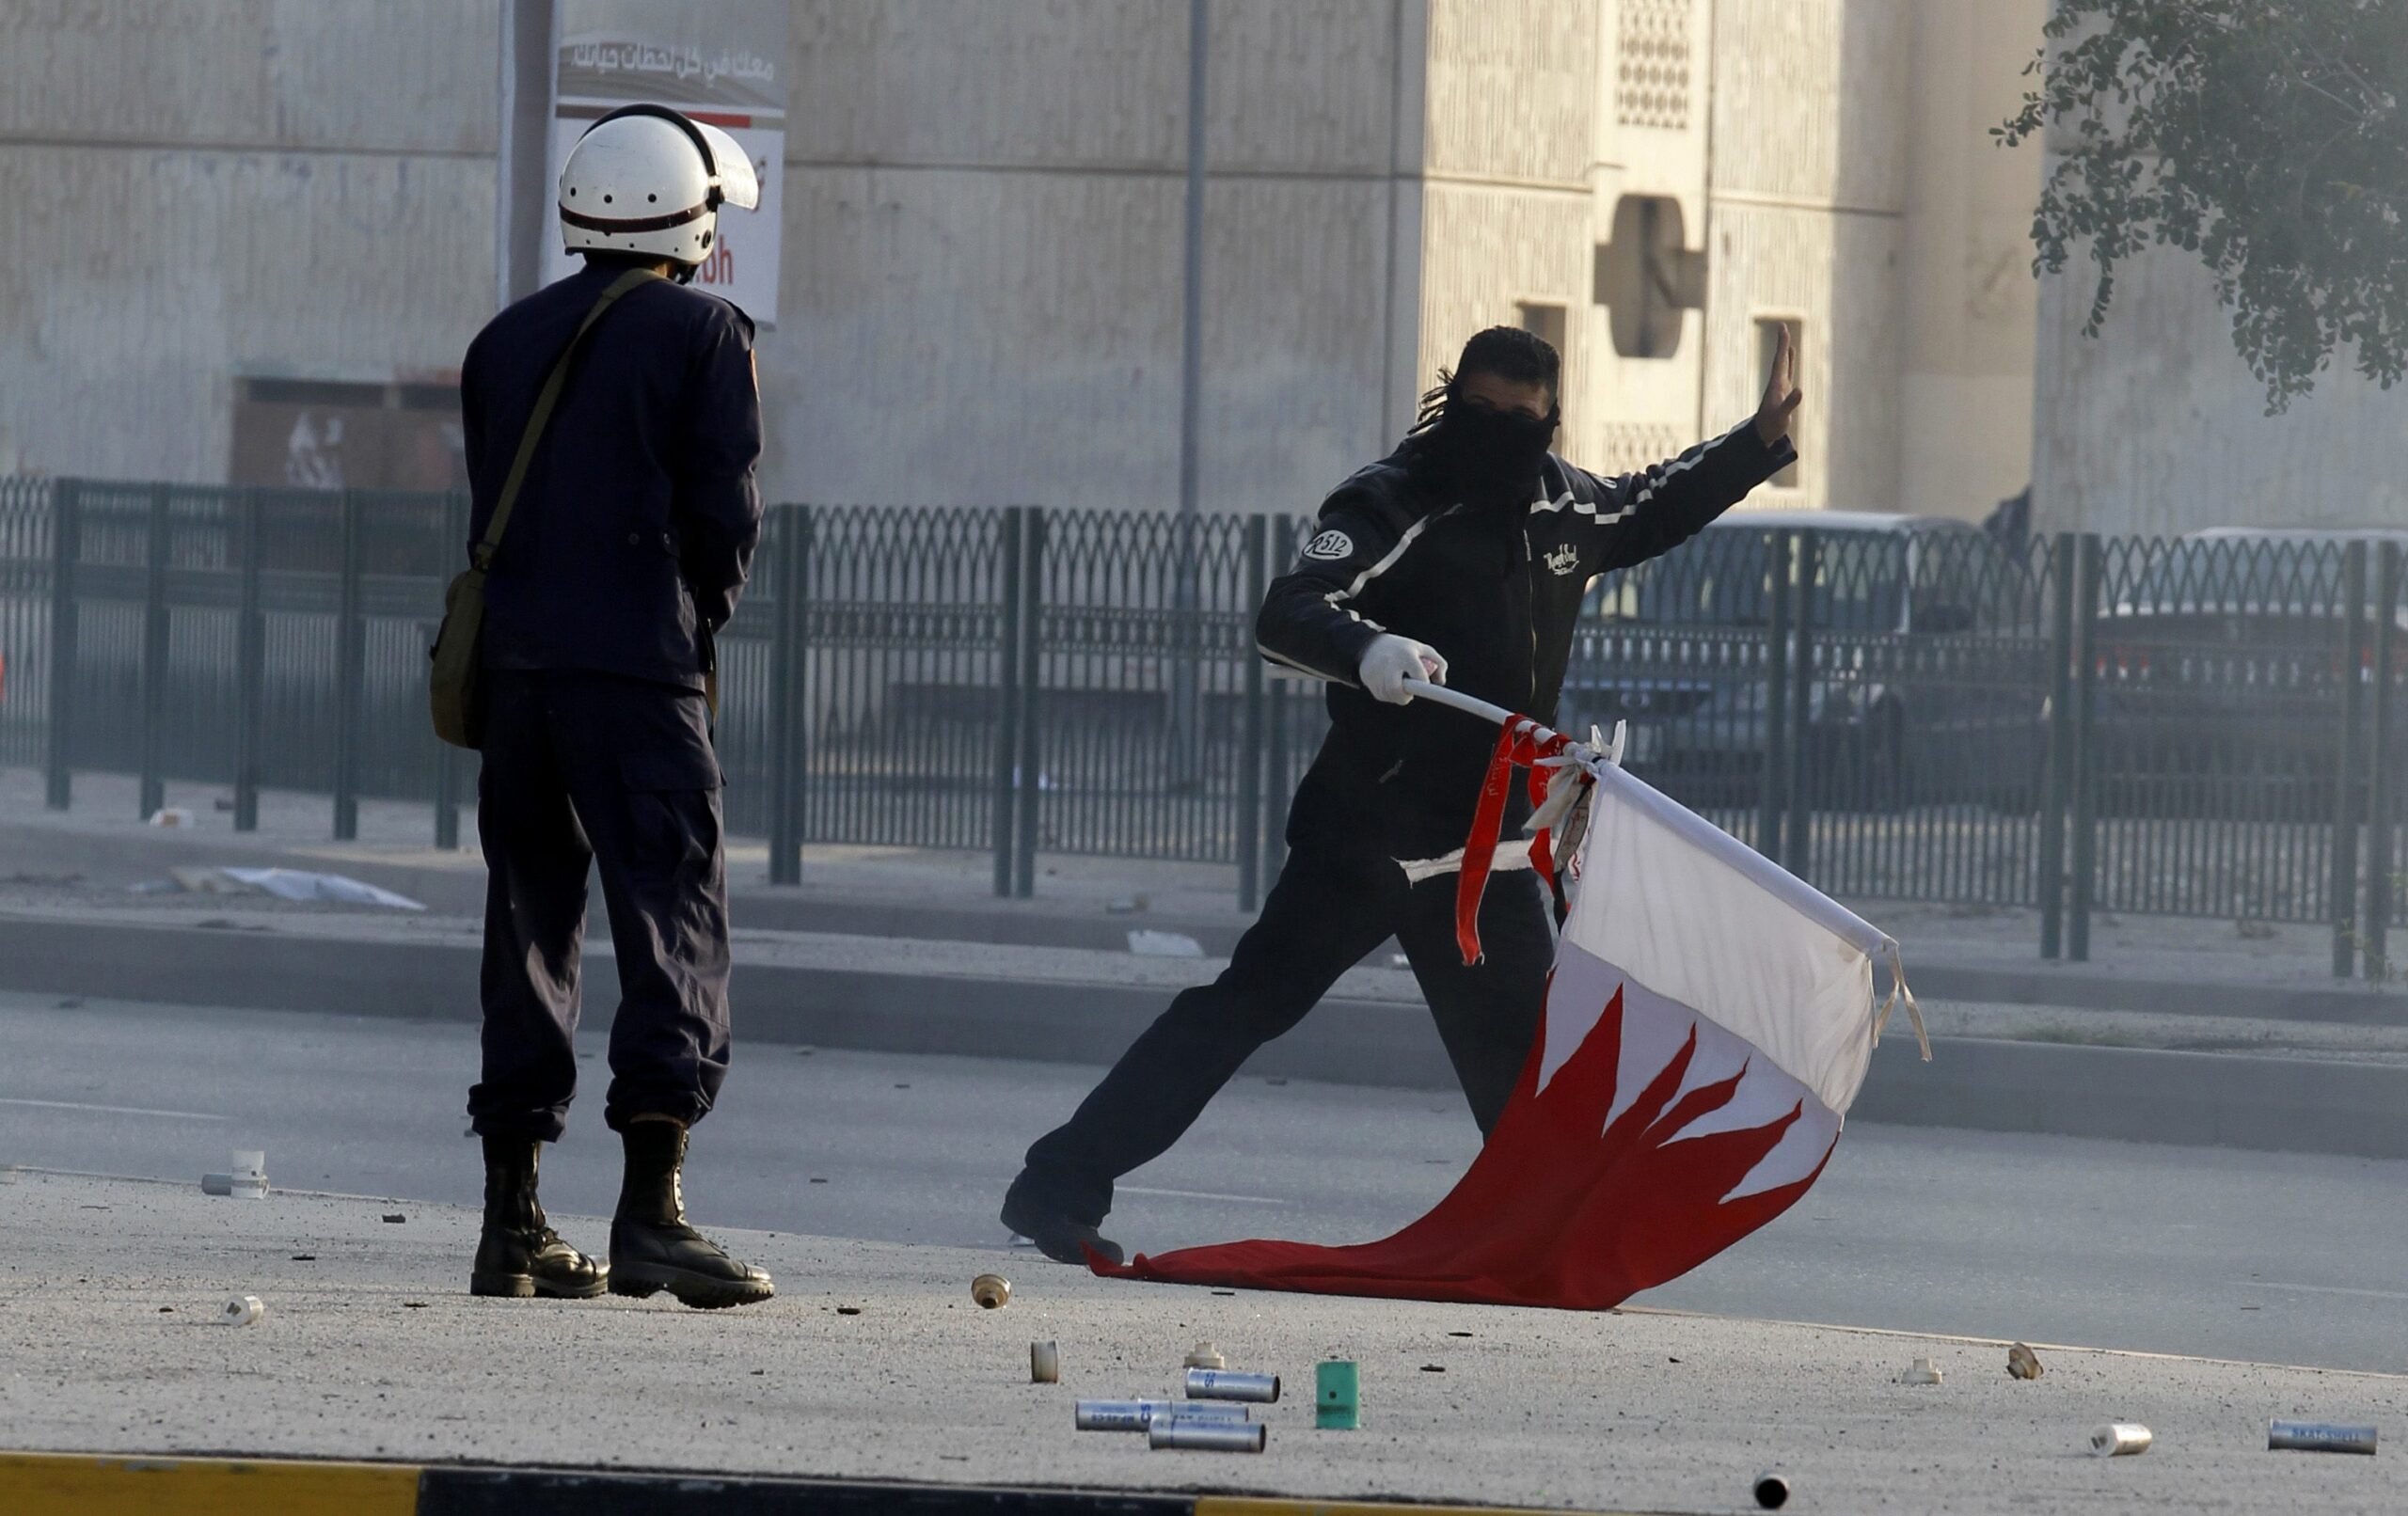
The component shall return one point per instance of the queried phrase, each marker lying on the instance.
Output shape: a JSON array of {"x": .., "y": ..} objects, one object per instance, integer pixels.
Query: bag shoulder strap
[{"x": 482, "y": 555}]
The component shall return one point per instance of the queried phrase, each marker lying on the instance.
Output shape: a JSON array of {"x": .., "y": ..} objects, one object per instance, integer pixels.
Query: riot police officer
[
  {"x": 631, "y": 520},
  {"x": 1460, "y": 559}
]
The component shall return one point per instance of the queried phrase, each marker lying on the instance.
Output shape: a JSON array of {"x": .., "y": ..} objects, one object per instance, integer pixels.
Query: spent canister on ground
[
  {"x": 243, "y": 1310},
  {"x": 1136, "y": 1415},
  {"x": 1221, "y": 1385},
  {"x": 2318, "y": 1437},
  {"x": 1209, "y": 1434},
  {"x": 1336, "y": 1395},
  {"x": 2119, "y": 1439}
]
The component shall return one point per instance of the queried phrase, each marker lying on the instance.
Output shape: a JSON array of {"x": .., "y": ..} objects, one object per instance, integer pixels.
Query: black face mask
[{"x": 1491, "y": 456}]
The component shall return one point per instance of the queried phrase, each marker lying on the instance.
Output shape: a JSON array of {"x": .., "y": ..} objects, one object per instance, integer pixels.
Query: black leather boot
[
  {"x": 652, "y": 1249},
  {"x": 520, "y": 1255}
]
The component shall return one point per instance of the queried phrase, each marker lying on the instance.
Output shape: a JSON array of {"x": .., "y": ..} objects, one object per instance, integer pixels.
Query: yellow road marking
[{"x": 66, "y": 1484}]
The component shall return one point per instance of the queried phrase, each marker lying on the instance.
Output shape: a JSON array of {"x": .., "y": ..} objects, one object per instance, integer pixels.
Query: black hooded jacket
[{"x": 1495, "y": 589}]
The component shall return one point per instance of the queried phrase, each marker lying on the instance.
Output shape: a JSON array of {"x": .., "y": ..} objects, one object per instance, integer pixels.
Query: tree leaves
[{"x": 2266, "y": 137}]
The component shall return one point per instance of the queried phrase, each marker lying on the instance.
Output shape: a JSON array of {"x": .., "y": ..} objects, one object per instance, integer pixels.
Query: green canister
[{"x": 1337, "y": 1397}]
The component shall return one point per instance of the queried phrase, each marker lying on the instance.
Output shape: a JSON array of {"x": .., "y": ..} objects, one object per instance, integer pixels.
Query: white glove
[{"x": 1391, "y": 660}]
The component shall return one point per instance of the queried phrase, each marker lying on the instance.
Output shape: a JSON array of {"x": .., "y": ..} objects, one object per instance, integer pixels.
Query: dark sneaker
[{"x": 1056, "y": 1234}]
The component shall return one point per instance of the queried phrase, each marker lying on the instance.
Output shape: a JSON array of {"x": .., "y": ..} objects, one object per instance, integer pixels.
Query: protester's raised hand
[{"x": 1782, "y": 394}]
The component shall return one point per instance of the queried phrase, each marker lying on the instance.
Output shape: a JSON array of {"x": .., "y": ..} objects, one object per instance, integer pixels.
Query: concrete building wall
[
  {"x": 1507, "y": 214},
  {"x": 981, "y": 282},
  {"x": 1811, "y": 104},
  {"x": 982, "y": 276},
  {"x": 1653, "y": 131},
  {"x": 1972, "y": 306},
  {"x": 302, "y": 188},
  {"x": 2157, "y": 426}
]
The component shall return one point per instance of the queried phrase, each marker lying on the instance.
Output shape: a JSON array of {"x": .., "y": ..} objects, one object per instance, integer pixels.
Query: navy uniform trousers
[
  {"x": 1334, "y": 904},
  {"x": 590, "y": 770}
]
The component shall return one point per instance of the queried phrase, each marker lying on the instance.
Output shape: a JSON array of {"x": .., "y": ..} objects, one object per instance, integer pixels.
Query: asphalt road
[{"x": 2272, "y": 1258}]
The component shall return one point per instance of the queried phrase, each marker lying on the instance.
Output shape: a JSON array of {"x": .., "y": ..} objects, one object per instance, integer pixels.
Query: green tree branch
[{"x": 2266, "y": 137}]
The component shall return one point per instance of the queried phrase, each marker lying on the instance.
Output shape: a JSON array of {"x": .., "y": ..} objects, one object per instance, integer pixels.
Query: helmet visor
[{"x": 739, "y": 185}]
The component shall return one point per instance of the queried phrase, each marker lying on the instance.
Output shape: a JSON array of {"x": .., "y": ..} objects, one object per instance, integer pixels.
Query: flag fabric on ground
[{"x": 1708, "y": 1021}]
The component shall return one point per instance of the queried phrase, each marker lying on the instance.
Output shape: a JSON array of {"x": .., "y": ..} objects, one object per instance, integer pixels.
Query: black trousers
[
  {"x": 1333, "y": 903},
  {"x": 590, "y": 770}
]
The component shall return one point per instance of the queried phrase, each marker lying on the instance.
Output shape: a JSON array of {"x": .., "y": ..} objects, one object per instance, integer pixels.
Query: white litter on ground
[
  {"x": 1148, "y": 943},
  {"x": 290, "y": 884}
]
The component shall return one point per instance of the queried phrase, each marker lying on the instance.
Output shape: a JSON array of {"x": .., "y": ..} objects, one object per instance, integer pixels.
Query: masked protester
[
  {"x": 1461, "y": 558},
  {"x": 611, "y": 427}
]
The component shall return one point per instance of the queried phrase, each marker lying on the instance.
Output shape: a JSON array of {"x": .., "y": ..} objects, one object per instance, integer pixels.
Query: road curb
[
  {"x": 69, "y": 1484},
  {"x": 2127, "y": 1094}
]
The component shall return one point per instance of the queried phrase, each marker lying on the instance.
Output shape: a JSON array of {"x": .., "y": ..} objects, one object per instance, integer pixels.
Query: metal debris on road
[
  {"x": 1148, "y": 943},
  {"x": 1920, "y": 1372},
  {"x": 1136, "y": 1415},
  {"x": 1204, "y": 1355},
  {"x": 1337, "y": 1399},
  {"x": 243, "y": 1310},
  {"x": 990, "y": 1291},
  {"x": 2119, "y": 1439},
  {"x": 1209, "y": 1434},
  {"x": 246, "y": 1178},
  {"x": 2318, "y": 1437},
  {"x": 2022, "y": 1363},
  {"x": 1044, "y": 1363},
  {"x": 1219, "y": 1385}
]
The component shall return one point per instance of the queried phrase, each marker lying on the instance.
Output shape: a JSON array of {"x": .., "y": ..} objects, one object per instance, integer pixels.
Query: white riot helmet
[{"x": 646, "y": 179}]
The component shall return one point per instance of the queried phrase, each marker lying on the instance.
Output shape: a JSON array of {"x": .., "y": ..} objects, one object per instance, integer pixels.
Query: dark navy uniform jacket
[
  {"x": 636, "y": 524},
  {"x": 1495, "y": 589}
]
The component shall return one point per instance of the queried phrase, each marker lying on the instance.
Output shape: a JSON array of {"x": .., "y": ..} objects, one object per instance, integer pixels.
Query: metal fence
[{"x": 2182, "y": 726}]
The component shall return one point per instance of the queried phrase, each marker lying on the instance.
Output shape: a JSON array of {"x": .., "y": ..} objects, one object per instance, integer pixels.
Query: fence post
[
  {"x": 2084, "y": 768},
  {"x": 1797, "y": 851},
  {"x": 1774, "y": 803},
  {"x": 792, "y": 524},
  {"x": 1032, "y": 702},
  {"x": 250, "y": 657},
  {"x": 66, "y": 534},
  {"x": 2345, "y": 798},
  {"x": 1249, "y": 807},
  {"x": 1009, "y": 532},
  {"x": 351, "y": 650},
  {"x": 154, "y": 656},
  {"x": 1272, "y": 821},
  {"x": 2057, "y": 751},
  {"x": 2373, "y": 936}
]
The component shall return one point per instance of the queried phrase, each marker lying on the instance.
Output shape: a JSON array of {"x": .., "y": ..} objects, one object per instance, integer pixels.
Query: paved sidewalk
[
  {"x": 874, "y": 1364},
  {"x": 2166, "y": 965}
]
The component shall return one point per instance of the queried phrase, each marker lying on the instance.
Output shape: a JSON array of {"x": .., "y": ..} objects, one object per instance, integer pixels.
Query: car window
[{"x": 1723, "y": 577}]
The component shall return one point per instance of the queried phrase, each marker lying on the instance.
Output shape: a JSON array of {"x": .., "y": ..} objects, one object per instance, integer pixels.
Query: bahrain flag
[{"x": 1708, "y": 1021}]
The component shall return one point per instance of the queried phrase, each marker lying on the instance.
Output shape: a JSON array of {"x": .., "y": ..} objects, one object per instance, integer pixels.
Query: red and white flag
[{"x": 1708, "y": 1021}]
